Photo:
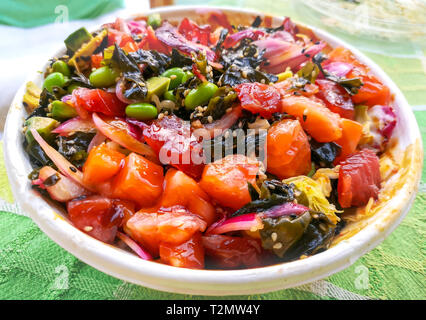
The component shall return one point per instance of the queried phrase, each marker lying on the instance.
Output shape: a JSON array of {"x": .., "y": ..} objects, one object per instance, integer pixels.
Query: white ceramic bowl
[{"x": 361, "y": 237}]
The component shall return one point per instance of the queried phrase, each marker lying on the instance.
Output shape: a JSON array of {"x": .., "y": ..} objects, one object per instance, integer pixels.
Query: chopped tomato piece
[
  {"x": 288, "y": 152},
  {"x": 102, "y": 164},
  {"x": 359, "y": 179},
  {"x": 173, "y": 225},
  {"x": 194, "y": 32},
  {"x": 336, "y": 98},
  {"x": 180, "y": 189},
  {"x": 152, "y": 42},
  {"x": 99, "y": 216},
  {"x": 189, "y": 254},
  {"x": 225, "y": 180},
  {"x": 122, "y": 39},
  {"x": 139, "y": 180},
  {"x": 259, "y": 98},
  {"x": 351, "y": 134},
  {"x": 97, "y": 100},
  {"x": 232, "y": 252},
  {"x": 96, "y": 60},
  {"x": 171, "y": 138},
  {"x": 322, "y": 124}
]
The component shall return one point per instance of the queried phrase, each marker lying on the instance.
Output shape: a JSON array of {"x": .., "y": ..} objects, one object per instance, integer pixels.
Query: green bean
[
  {"x": 176, "y": 76},
  {"x": 200, "y": 96},
  {"x": 141, "y": 111},
  {"x": 188, "y": 75},
  {"x": 168, "y": 95},
  {"x": 103, "y": 77},
  {"x": 72, "y": 86},
  {"x": 62, "y": 67},
  {"x": 55, "y": 79}
]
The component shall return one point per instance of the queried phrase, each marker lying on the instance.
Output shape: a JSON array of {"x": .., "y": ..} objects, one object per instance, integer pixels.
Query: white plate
[{"x": 124, "y": 265}]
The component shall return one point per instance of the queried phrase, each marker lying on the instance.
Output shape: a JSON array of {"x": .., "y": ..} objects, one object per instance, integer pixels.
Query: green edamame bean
[
  {"x": 103, "y": 77},
  {"x": 62, "y": 67},
  {"x": 55, "y": 79},
  {"x": 168, "y": 95},
  {"x": 200, "y": 95},
  {"x": 188, "y": 75},
  {"x": 62, "y": 111},
  {"x": 141, "y": 111},
  {"x": 176, "y": 76},
  {"x": 72, "y": 86},
  {"x": 154, "y": 20}
]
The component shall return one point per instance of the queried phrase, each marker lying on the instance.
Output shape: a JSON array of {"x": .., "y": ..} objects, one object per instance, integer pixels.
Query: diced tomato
[
  {"x": 171, "y": 138},
  {"x": 195, "y": 33},
  {"x": 173, "y": 225},
  {"x": 322, "y": 124},
  {"x": 259, "y": 98},
  {"x": 351, "y": 134},
  {"x": 97, "y": 100},
  {"x": 218, "y": 18},
  {"x": 120, "y": 38},
  {"x": 226, "y": 180},
  {"x": 189, "y": 254},
  {"x": 359, "y": 179},
  {"x": 373, "y": 90},
  {"x": 232, "y": 252},
  {"x": 336, "y": 98},
  {"x": 180, "y": 189},
  {"x": 152, "y": 42},
  {"x": 102, "y": 164},
  {"x": 288, "y": 149},
  {"x": 99, "y": 216},
  {"x": 96, "y": 60},
  {"x": 139, "y": 180}
]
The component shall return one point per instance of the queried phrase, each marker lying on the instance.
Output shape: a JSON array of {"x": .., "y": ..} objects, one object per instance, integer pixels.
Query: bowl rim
[{"x": 126, "y": 266}]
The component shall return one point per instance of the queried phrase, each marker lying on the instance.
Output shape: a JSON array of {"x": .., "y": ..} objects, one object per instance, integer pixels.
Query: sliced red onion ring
[
  {"x": 285, "y": 209},
  {"x": 120, "y": 95},
  {"x": 73, "y": 125},
  {"x": 64, "y": 166},
  {"x": 134, "y": 246},
  {"x": 96, "y": 141},
  {"x": 123, "y": 138},
  {"x": 250, "y": 221},
  {"x": 340, "y": 69}
]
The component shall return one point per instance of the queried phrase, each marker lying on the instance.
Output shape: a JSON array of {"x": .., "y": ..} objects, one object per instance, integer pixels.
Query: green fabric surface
[
  {"x": 34, "y": 267},
  {"x": 32, "y": 13}
]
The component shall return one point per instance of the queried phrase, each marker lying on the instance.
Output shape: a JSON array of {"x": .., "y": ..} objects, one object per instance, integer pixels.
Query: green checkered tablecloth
[{"x": 34, "y": 267}]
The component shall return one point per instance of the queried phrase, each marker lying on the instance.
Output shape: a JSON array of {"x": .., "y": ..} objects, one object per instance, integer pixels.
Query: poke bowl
[{"x": 91, "y": 145}]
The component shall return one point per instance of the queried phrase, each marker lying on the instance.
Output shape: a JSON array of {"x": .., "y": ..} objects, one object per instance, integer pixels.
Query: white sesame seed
[
  {"x": 274, "y": 236},
  {"x": 277, "y": 246},
  {"x": 161, "y": 116},
  {"x": 88, "y": 228},
  {"x": 228, "y": 110},
  {"x": 210, "y": 119},
  {"x": 173, "y": 76}
]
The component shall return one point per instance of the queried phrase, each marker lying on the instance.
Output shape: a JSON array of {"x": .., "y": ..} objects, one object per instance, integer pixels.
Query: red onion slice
[
  {"x": 73, "y": 125},
  {"x": 134, "y": 246},
  {"x": 250, "y": 221},
  {"x": 64, "y": 166}
]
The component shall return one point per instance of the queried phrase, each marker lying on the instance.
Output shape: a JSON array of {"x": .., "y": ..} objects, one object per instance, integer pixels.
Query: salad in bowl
[{"x": 211, "y": 145}]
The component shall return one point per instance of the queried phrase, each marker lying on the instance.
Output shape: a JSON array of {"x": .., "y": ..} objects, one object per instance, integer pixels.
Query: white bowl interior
[{"x": 126, "y": 266}]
